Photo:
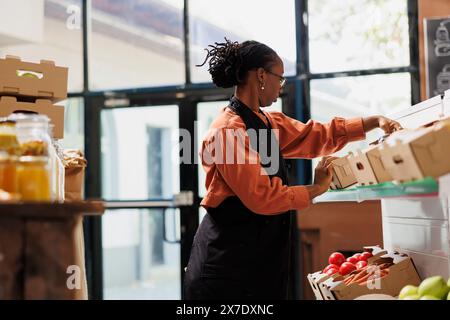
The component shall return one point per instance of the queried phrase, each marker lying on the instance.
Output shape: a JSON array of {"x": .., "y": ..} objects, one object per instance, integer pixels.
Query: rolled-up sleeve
[
  {"x": 314, "y": 139},
  {"x": 242, "y": 172}
]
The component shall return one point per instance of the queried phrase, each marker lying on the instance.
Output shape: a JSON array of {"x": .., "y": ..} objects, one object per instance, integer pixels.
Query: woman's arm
[
  {"x": 314, "y": 139},
  {"x": 240, "y": 168}
]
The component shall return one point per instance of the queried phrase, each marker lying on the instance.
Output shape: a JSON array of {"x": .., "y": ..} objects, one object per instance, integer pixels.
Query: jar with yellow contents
[
  {"x": 34, "y": 178},
  {"x": 8, "y": 173},
  {"x": 9, "y": 152}
]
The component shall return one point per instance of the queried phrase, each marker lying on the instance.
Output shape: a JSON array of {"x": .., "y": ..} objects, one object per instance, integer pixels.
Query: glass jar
[
  {"x": 8, "y": 137},
  {"x": 32, "y": 133},
  {"x": 34, "y": 178},
  {"x": 8, "y": 173}
]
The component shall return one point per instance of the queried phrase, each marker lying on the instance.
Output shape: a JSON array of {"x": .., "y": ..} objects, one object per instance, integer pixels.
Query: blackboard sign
[{"x": 437, "y": 55}]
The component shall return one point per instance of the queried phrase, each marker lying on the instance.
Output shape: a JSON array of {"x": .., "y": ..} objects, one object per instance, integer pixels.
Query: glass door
[{"x": 140, "y": 177}]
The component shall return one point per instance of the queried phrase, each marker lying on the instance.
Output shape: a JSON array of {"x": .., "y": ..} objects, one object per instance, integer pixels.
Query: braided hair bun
[{"x": 230, "y": 61}]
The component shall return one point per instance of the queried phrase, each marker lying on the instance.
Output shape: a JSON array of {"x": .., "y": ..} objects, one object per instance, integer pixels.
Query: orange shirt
[{"x": 246, "y": 180}]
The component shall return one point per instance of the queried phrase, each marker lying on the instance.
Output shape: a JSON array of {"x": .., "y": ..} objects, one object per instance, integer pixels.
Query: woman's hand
[
  {"x": 322, "y": 177},
  {"x": 384, "y": 123},
  {"x": 388, "y": 125}
]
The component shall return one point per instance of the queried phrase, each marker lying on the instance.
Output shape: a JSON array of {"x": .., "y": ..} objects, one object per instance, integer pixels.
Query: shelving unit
[{"x": 415, "y": 215}]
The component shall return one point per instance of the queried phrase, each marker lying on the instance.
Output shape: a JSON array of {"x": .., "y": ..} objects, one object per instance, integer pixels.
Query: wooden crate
[{"x": 42, "y": 250}]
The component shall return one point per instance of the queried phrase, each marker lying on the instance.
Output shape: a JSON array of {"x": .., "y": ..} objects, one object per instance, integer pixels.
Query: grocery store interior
[{"x": 135, "y": 90}]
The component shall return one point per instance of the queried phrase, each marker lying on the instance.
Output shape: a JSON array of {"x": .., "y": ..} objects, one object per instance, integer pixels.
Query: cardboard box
[
  {"x": 50, "y": 81},
  {"x": 376, "y": 252},
  {"x": 343, "y": 175},
  {"x": 55, "y": 113},
  {"x": 373, "y": 154},
  {"x": 360, "y": 165},
  {"x": 417, "y": 154},
  {"x": 401, "y": 273},
  {"x": 316, "y": 278}
]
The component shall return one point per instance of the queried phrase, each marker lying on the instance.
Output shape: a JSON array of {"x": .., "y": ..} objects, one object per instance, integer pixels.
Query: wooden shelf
[{"x": 46, "y": 210}]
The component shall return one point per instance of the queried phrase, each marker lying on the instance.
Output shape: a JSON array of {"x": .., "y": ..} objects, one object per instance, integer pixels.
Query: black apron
[{"x": 236, "y": 253}]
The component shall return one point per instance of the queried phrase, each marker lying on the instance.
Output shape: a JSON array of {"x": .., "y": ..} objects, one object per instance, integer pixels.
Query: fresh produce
[
  {"x": 346, "y": 268},
  {"x": 407, "y": 291},
  {"x": 330, "y": 266},
  {"x": 361, "y": 264},
  {"x": 336, "y": 258},
  {"x": 357, "y": 256},
  {"x": 366, "y": 255},
  {"x": 433, "y": 286},
  {"x": 412, "y": 297},
  {"x": 352, "y": 260},
  {"x": 331, "y": 271},
  {"x": 428, "y": 297}
]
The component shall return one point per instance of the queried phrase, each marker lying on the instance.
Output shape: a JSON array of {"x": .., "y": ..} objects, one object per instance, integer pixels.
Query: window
[
  {"x": 136, "y": 43},
  {"x": 362, "y": 96},
  {"x": 138, "y": 157},
  {"x": 73, "y": 123},
  {"x": 260, "y": 20},
  {"x": 357, "y": 34},
  {"x": 44, "y": 30}
]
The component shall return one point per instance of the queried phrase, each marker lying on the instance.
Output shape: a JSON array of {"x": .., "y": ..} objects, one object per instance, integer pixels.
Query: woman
[{"x": 242, "y": 247}]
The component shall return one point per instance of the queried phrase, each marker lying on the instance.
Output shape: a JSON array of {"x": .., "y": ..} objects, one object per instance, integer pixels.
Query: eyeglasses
[{"x": 282, "y": 79}]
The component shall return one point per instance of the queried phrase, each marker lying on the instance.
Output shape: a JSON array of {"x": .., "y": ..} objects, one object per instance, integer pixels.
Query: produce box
[
  {"x": 316, "y": 278},
  {"x": 343, "y": 175},
  {"x": 414, "y": 155},
  {"x": 376, "y": 252},
  {"x": 39, "y": 80},
  {"x": 360, "y": 165},
  {"x": 386, "y": 275},
  {"x": 55, "y": 113}
]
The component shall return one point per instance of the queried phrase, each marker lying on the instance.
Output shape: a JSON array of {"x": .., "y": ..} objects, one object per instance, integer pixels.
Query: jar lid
[
  {"x": 34, "y": 159},
  {"x": 5, "y": 156},
  {"x": 28, "y": 117}
]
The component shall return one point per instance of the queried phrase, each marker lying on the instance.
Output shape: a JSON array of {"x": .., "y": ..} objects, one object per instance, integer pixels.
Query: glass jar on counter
[
  {"x": 32, "y": 133},
  {"x": 9, "y": 142},
  {"x": 34, "y": 178},
  {"x": 8, "y": 173}
]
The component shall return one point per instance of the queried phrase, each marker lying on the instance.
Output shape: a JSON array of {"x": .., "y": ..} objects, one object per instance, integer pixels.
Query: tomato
[
  {"x": 332, "y": 271},
  {"x": 357, "y": 256},
  {"x": 336, "y": 258},
  {"x": 361, "y": 264},
  {"x": 366, "y": 255},
  {"x": 346, "y": 268},
  {"x": 352, "y": 260},
  {"x": 330, "y": 266}
]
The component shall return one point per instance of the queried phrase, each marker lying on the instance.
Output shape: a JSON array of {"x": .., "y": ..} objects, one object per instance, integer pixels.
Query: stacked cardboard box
[
  {"x": 406, "y": 155},
  {"x": 35, "y": 87}
]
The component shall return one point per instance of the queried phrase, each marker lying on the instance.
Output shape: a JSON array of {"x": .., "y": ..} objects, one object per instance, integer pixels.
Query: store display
[
  {"x": 28, "y": 92},
  {"x": 431, "y": 288},
  {"x": 374, "y": 271}
]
